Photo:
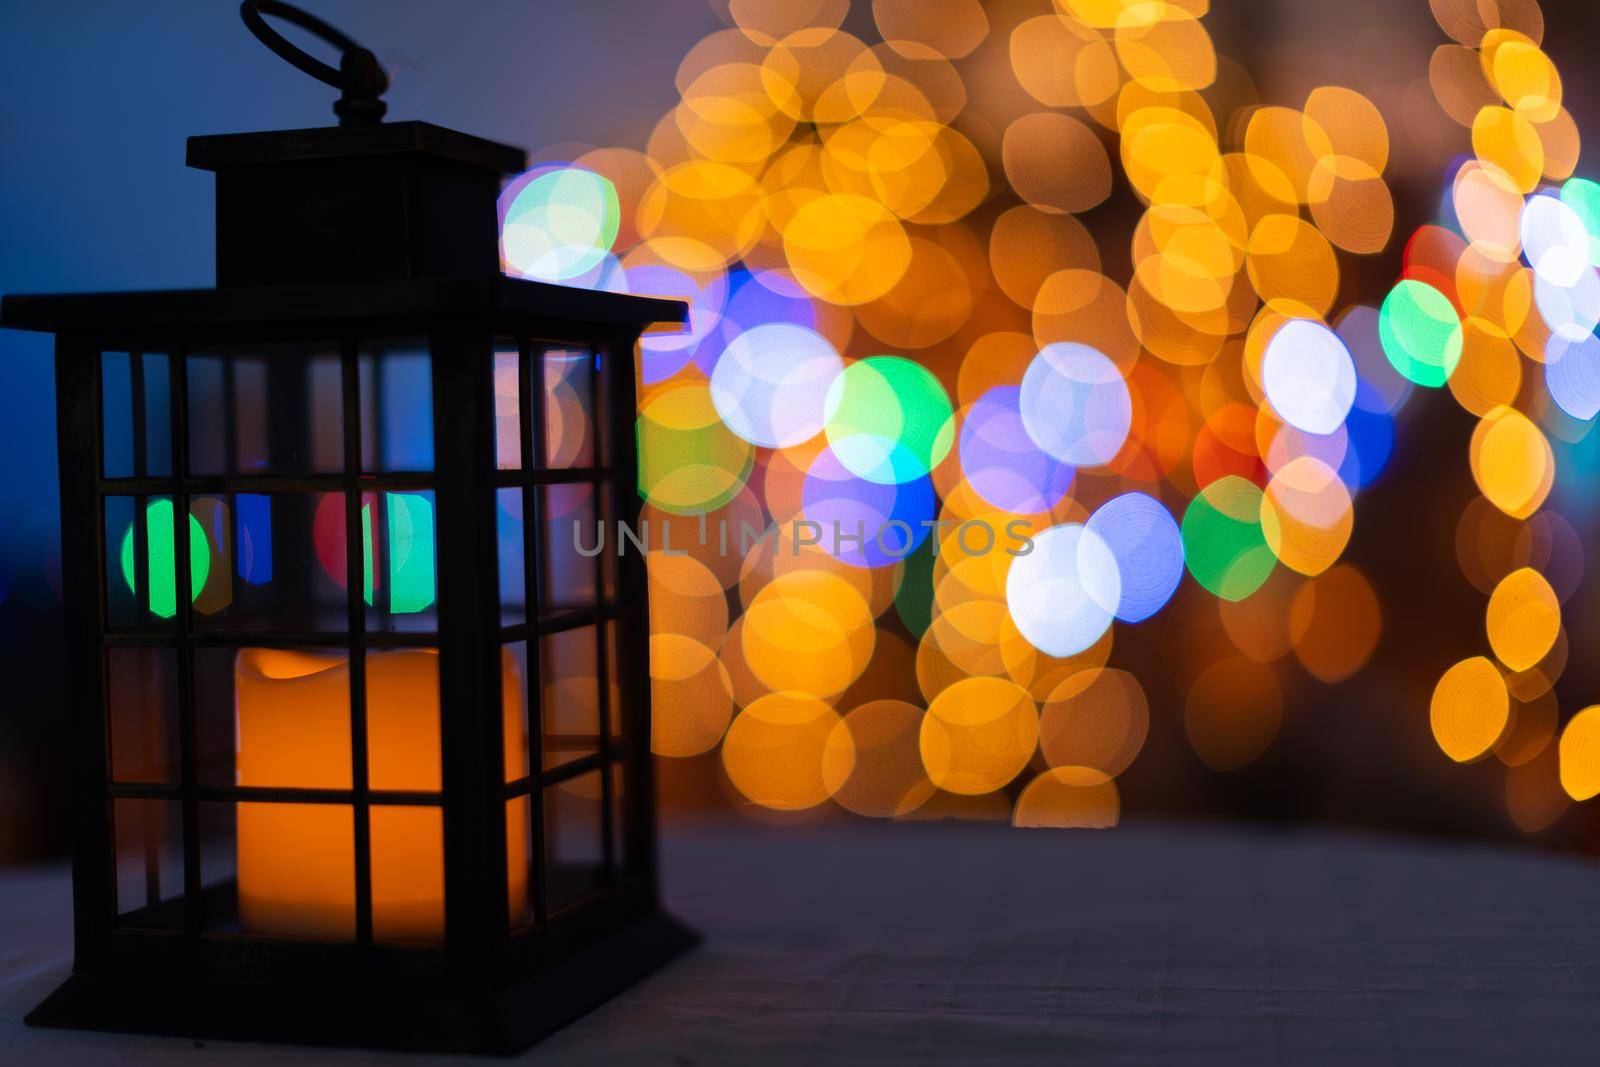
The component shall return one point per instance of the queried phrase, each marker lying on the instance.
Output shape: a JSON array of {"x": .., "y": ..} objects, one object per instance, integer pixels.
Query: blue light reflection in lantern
[{"x": 253, "y": 537}]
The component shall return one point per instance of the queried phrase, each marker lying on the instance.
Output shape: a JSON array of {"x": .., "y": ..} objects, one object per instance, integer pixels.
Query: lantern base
[{"x": 500, "y": 1023}]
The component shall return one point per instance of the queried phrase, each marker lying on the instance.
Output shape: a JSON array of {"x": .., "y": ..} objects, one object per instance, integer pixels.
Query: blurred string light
[
  {"x": 898, "y": 325},
  {"x": 1510, "y": 277}
]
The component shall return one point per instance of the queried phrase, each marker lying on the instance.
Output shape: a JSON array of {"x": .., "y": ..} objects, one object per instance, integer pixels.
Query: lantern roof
[{"x": 389, "y": 300}]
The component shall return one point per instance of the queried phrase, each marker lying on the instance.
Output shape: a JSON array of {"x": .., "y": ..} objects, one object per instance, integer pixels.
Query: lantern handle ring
[{"x": 359, "y": 76}]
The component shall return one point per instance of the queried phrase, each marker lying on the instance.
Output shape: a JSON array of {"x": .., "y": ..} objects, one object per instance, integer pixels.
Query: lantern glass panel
[
  {"x": 142, "y": 705},
  {"x": 272, "y": 717},
  {"x": 512, "y": 558},
  {"x": 574, "y": 835},
  {"x": 402, "y": 701},
  {"x": 569, "y": 540},
  {"x": 520, "y": 738},
  {"x": 603, "y": 370},
  {"x": 148, "y": 836},
  {"x": 271, "y": 561},
  {"x": 507, "y": 406},
  {"x": 141, "y": 587},
  {"x": 296, "y": 866},
  {"x": 116, "y": 415},
  {"x": 396, "y": 406},
  {"x": 611, "y": 543},
  {"x": 157, "y": 414},
  {"x": 569, "y": 695},
  {"x": 613, "y": 691},
  {"x": 619, "y": 830},
  {"x": 399, "y": 561},
  {"x": 219, "y": 866},
  {"x": 136, "y": 415},
  {"x": 266, "y": 409},
  {"x": 407, "y": 872},
  {"x": 521, "y": 872},
  {"x": 568, "y": 406}
]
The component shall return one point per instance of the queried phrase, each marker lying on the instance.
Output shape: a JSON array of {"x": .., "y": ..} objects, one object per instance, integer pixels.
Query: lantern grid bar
[
  {"x": 141, "y": 581},
  {"x": 355, "y": 581},
  {"x": 141, "y": 524},
  {"x": 538, "y": 476},
  {"x": 563, "y": 773},
  {"x": 230, "y": 416},
  {"x": 333, "y": 639},
  {"x": 393, "y": 481},
  {"x": 178, "y": 390},
  {"x": 269, "y": 794}
]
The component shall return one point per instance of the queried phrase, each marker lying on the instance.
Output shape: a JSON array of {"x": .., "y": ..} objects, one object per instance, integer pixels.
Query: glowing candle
[{"x": 297, "y": 861}]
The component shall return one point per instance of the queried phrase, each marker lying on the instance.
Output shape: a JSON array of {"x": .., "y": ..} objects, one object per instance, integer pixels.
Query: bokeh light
[
  {"x": 557, "y": 223},
  {"x": 1224, "y": 545},
  {"x": 771, "y": 383},
  {"x": 1469, "y": 710},
  {"x": 1075, "y": 404},
  {"x": 888, "y": 420},
  {"x": 1309, "y": 376},
  {"x": 1421, "y": 332},
  {"x": 1002, "y": 317},
  {"x": 1065, "y": 592},
  {"x": 1147, "y": 546}
]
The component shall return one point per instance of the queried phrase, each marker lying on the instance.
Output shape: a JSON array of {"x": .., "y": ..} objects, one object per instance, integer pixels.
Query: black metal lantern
[{"x": 360, "y": 739}]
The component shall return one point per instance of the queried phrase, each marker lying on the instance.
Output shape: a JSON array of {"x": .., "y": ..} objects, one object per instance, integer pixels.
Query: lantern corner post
[
  {"x": 477, "y": 904},
  {"x": 632, "y": 612},
  {"x": 93, "y": 876},
  {"x": 83, "y": 575}
]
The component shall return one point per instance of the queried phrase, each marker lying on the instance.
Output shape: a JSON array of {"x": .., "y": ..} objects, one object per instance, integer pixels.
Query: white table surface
[{"x": 959, "y": 943}]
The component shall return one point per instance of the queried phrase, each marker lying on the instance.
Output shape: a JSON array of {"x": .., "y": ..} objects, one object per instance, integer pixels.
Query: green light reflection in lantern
[{"x": 163, "y": 566}]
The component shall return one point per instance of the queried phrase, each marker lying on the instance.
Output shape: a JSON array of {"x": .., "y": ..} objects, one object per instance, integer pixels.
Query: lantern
[{"x": 360, "y": 736}]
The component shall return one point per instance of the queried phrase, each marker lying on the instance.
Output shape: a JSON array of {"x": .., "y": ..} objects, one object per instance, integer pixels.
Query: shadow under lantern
[{"x": 360, "y": 739}]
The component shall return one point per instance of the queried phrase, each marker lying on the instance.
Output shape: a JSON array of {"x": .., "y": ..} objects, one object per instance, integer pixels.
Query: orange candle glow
[{"x": 297, "y": 861}]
